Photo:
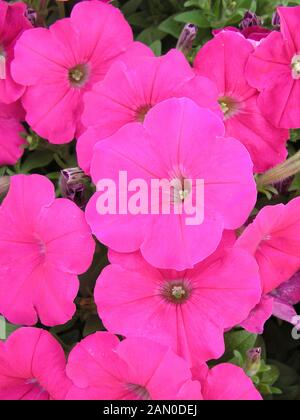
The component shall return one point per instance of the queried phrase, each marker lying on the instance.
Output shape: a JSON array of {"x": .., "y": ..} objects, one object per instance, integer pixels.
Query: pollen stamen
[
  {"x": 296, "y": 67},
  {"x": 78, "y": 75},
  {"x": 141, "y": 113},
  {"x": 229, "y": 106},
  {"x": 176, "y": 291}
]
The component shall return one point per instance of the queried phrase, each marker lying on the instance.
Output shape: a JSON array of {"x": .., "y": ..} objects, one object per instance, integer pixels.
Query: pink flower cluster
[
  {"x": 171, "y": 289},
  {"x": 33, "y": 367}
]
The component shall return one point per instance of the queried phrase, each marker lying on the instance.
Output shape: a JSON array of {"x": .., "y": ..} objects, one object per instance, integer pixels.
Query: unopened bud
[
  {"x": 250, "y": 19},
  {"x": 186, "y": 38},
  {"x": 280, "y": 173},
  {"x": 253, "y": 362},
  {"x": 31, "y": 15},
  {"x": 276, "y": 20},
  {"x": 72, "y": 185}
]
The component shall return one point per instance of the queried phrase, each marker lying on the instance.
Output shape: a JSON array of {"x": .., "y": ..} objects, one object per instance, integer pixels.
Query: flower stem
[
  {"x": 61, "y": 9},
  {"x": 281, "y": 172}
]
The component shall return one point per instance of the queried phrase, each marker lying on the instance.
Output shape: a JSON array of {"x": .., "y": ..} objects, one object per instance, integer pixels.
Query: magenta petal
[
  {"x": 290, "y": 290},
  {"x": 39, "y": 257},
  {"x": 130, "y": 302},
  {"x": 259, "y": 315},
  {"x": 273, "y": 238},
  {"x": 11, "y": 141},
  {"x": 228, "y": 382},
  {"x": 284, "y": 311},
  {"x": 32, "y": 367}
]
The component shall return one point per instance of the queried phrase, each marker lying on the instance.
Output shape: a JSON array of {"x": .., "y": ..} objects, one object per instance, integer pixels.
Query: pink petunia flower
[
  {"x": 11, "y": 140},
  {"x": 226, "y": 382},
  {"x": 44, "y": 244},
  {"x": 289, "y": 291},
  {"x": 280, "y": 303},
  {"x": 12, "y": 24},
  {"x": 103, "y": 1},
  {"x": 187, "y": 310},
  {"x": 79, "y": 51},
  {"x": 178, "y": 140},
  {"x": 243, "y": 118},
  {"x": 255, "y": 322},
  {"x": 129, "y": 91},
  {"x": 102, "y": 367},
  {"x": 250, "y": 28},
  {"x": 274, "y": 69},
  {"x": 32, "y": 367},
  {"x": 274, "y": 239}
]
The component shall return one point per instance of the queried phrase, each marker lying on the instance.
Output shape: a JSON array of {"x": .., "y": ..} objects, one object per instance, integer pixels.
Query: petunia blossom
[
  {"x": 274, "y": 69},
  {"x": 44, "y": 244},
  {"x": 274, "y": 239},
  {"x": 254, "y": 34},
  {"x": 187, "y": 310},
  {"x": 79, "y": 51},
  {"x": 255, "y": 322},
  {"x": 12, "y": 24},
  {"x": 130, "y": 90},
  {"x": 243, "y": 118},
  {"x": 103, "y": 368},
  {"x": 280, "y": 303},
  {"x": 11, "y": 140},
  {"x": 32, "y": 367},
  {"x": 226, "y": 382},
  {"x": 177, "y": 141}
]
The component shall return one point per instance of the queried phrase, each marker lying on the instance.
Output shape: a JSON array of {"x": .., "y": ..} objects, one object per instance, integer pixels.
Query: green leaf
[
  {"x": 192, "y": 3},
  {"x": 171, "y": 27},
  {"x": 294, "y": 135},
  {"x": 194, "y": 16},
  {"x": 247, "y": 4},
  {"x": 265, "y": 389},
  {"x": 271, "y": 376},
  {"x": 139, "y": 19},
  {"x": 131, "y": 7},
  {"x": 6, "y": 329},
  {"x": 156, "y": 47},
  {"x": 276, "y": 391},
  {"x": 238, "y": 358},
  {"x": 150, "y": 35},
  {"x": 255, "y": 380},
  {"x": 295, "y": 186},
  {"x": 240, "y": 341},
  {"x": 36, "y": 160}
]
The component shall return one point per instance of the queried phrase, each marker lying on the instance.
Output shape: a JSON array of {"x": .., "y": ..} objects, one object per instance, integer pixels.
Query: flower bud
[
  {"x": 253, "y": 361},
  {"x": 276, "y": 20},
  {"x": 72, "y": 185},
  {"x": 31, "y": 15},
  {"x": 250, "y": 19},
  {"x": 186, "y": 38},
  {"x": 280, "y": 172}
]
